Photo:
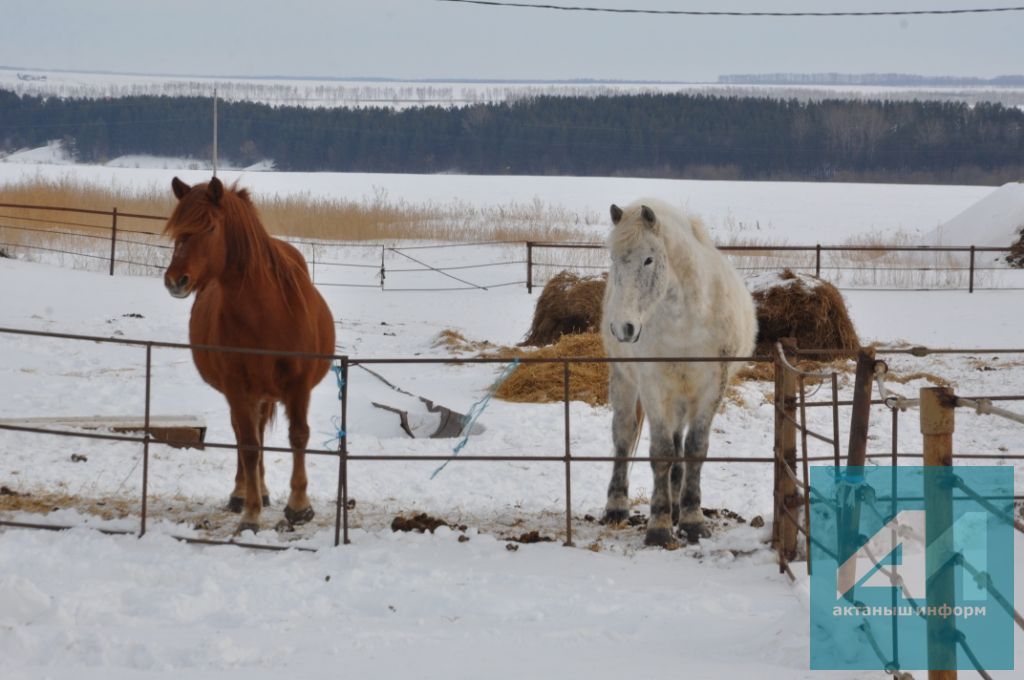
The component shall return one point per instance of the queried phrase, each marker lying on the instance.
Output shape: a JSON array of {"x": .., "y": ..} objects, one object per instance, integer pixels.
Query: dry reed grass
[{"x": 377, "y": 218}]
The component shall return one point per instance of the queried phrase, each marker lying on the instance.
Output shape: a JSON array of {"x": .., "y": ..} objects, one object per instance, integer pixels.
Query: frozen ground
[{"x": 81, "y": 604}]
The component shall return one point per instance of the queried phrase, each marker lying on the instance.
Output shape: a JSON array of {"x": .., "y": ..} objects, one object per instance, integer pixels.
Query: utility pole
[{"x": 215, "y": 132}]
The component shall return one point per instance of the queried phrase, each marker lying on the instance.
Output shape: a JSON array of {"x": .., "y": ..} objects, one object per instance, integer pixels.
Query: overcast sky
[{"x": 430, "y": 39}]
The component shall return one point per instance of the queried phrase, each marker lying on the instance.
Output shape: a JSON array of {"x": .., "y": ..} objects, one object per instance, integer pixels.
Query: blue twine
[
  {"x": 470, "y": 418},
  {"x": 336, "y": 420}
]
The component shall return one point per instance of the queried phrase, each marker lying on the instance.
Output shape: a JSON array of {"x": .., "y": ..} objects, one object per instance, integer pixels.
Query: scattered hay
[
  {"x": 43, "y": 503},
  {"x": 765, "y": 372},
  {"x": 903, "y": 379},
  {"x": 543, "y": 383},
  {"x": 802, "y": 307},
  {"x": 456, "y": 343},
  {"x": 568, "y": 305}
]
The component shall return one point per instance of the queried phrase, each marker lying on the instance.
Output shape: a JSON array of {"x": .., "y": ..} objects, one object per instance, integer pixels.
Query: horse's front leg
[
  {"x": 236, "y": 501},
  {"x": 245, "y": 418},
  {"x": 625, "y": 429},
  {"x": 695, "y": 450},
  {"x": 298, "y": 510},
  {"x": 659, "y": 524}
]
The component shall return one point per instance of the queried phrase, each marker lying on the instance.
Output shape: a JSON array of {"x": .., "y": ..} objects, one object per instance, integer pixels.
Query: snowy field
[
  {"x": 405, "y": 94},
  {"x": 84, "y": 605}
]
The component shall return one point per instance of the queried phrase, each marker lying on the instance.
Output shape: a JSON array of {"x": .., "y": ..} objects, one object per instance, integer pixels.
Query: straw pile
[
  {"x": 568, "y": 305},
  {"x": 803, "y": 307},
  {"x": 543, "y": 383}
]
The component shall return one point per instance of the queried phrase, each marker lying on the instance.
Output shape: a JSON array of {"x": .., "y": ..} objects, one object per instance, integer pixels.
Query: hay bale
[
  {"x": 542, "y": 383},
  {"x": 568, "y": 305},
  {"x": 802, "y": 307}
]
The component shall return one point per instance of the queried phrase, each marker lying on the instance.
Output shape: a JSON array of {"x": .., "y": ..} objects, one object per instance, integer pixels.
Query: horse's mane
[
  {"x": 673, "y": 225},
  {"x": 252, "y": 253}
]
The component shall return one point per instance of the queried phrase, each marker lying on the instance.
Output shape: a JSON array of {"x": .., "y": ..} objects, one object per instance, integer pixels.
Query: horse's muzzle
[
  {"x": 180, "y": 288},
  {"x": 627, "y": 332}
]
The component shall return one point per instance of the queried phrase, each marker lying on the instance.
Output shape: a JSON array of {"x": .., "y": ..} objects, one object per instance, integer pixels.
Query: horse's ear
[
  {"x": 616, "y": 214},
  {"x": 179, "y": 188},
  {"x": 215, "y": 190},
  {"x": 648, "y": 216}
]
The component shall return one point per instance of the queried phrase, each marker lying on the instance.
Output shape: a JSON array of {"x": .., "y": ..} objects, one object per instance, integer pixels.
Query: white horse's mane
[{"x": 674, "y": 225}]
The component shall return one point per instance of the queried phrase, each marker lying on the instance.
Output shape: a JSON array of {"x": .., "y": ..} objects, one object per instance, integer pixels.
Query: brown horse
[{"x": 252, "y": 291}]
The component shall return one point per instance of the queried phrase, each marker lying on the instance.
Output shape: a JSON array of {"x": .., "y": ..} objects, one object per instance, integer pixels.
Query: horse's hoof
[
  {"x": 266, "y": 500},
  {"x": 615, "y": 516},
  {"x": 296, "y": 517},
  {"x": 235, "y": 504},
  {"x": 254, "y": 527},
  {"x": 661, "y": 538},
  {"x": 694, "y": 532}
]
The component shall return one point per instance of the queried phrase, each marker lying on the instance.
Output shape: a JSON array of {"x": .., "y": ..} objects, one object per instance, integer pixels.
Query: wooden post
[
  {"x": 861, "y": 416},
  {"x": 817, "y": 260},
  {"x": 937, "y": 424},
  {"x": 848, "y": 522},
  {"x": 529, "y": 267},
  {"x": 970, "y": 288},
  {"x": 784, "y": 531},
  {"x": 113, "y": 239}
]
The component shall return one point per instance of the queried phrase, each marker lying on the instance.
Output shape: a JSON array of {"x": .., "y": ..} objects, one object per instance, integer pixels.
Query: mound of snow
[
  {"x": 994, "y": 221},
  {"x": 51, "y": 154}
]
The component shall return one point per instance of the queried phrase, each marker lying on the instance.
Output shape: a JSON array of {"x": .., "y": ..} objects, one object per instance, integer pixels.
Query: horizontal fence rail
[
  {"x": 150, "y": 256},
  {"x": 785, "y": 459}
]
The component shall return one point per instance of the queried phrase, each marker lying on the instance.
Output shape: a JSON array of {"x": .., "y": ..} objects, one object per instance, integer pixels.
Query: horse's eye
[{"x": 648, "y": 261}]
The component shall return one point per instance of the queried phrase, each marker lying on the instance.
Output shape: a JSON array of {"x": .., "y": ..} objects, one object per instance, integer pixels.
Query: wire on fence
[
  {"x": 985, "y": 581},
  {"x": 961, "y": 640}
]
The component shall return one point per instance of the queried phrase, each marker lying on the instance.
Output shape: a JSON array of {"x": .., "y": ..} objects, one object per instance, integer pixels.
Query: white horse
[{"x": 670, "y": 293}]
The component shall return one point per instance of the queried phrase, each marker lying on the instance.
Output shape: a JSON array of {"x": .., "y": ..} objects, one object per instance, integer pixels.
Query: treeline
[
  {"x": 669, "y": 135},
  {"x": 883, "y": 79}
]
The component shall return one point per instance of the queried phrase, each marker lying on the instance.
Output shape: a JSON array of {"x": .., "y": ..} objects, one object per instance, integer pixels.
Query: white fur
[{"x": 688, "y": 302}]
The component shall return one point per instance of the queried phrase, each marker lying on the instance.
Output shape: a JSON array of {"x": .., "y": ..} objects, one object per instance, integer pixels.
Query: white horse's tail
[{"x": 636, "y": 437}]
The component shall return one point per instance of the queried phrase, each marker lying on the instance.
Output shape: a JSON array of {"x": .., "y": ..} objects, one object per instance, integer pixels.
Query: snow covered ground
[{"x": 81, "y": 604}]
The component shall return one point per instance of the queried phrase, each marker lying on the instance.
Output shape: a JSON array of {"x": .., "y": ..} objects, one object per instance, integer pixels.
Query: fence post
[
  {"x": 970, "y": 288},
  {"x": 113, "y": 239},
  {"x": 849, "y": 506},
  {"x": 784, "y": 531},
  {"x": 529, "y": 267},
  {"x": 817, "y": 260},
  {"x": 568, "y": 455},
  {"x": 861, "y": 416},
  {"x": 937, "y": 424}
]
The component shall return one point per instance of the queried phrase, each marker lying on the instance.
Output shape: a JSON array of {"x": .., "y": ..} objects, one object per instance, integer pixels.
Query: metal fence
[
  {"x": 149, "y": 253},
  {"x": 790, "y": 396}
]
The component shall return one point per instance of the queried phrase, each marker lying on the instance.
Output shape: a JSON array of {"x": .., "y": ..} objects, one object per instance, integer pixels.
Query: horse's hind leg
[
  {"x": 236, "y": 501},
  {"x": 695, "y": 450},
  {"x": 625, "y": 429},
  {"x": 299, "y": 510},
  {"x": 266, "y": 415}
]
